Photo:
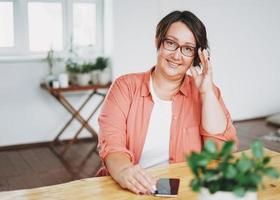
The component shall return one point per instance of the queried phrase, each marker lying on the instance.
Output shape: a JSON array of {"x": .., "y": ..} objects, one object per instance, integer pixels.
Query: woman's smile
[{"x": 172, "y": 64}]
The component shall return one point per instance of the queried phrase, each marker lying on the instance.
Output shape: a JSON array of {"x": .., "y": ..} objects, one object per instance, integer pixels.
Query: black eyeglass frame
[{"x": 179, "y": 46}]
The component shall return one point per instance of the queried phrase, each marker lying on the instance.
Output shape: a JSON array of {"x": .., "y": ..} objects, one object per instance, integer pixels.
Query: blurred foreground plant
[{"x": 220, "y": 171}]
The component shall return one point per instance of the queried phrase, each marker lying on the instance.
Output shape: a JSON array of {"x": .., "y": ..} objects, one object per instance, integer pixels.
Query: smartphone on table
[{"x": 167, "y": 187}]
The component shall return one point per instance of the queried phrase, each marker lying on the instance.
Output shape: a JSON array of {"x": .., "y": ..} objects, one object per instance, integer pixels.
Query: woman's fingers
[
  {"x": 194, "y": 72},
  {"x": 203, "y": 56},
  {"x": 137, "y": 180},
  {"x": 136, "y": 186},
  {"x": 145, "y": 179},
  {"x": 208, "y": 62}
]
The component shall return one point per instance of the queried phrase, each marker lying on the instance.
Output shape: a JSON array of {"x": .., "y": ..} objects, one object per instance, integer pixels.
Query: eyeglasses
[{"x": 186, "y": 50}]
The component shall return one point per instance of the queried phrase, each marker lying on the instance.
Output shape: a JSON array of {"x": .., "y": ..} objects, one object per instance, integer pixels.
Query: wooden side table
[{"x": 58, "y": 93}]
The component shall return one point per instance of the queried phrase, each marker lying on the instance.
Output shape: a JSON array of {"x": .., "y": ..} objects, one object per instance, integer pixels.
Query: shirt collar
[
  {"x": 184, "y": 89},
  {"x": 145, "y": 89}
]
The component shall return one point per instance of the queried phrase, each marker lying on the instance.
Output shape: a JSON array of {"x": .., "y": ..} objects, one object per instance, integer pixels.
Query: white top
[{"x": 156, "y": 147}]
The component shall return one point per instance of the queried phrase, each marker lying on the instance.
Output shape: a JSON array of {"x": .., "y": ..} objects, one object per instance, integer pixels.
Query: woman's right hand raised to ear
[{"x": 136, "y": 179}]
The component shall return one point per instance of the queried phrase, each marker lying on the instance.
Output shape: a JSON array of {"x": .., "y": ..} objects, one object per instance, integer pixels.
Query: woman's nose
[{"x": 176, "y": 54}]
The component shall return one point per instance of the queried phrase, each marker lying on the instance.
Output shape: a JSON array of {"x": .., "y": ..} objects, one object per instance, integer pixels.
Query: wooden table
[{"x": 105, "y": 187}]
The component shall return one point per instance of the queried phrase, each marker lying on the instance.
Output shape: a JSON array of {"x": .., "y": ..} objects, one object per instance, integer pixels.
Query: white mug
[{"x": 55, "y": 84}]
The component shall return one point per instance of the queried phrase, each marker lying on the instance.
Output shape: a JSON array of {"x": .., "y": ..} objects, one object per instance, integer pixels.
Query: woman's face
[{"x": 173, "y": 65}]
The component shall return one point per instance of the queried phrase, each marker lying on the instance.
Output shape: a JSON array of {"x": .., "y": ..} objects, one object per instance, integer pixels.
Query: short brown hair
[{"x": 191, "y": 21}]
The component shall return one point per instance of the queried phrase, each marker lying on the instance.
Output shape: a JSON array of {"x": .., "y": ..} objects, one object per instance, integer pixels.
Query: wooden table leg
[
  {"x": 76, "y": 114},
  {"x": 73, "y": 117}
]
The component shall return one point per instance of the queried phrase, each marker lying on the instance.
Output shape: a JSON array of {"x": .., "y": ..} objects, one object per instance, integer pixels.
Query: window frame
[
  {"x": 9, "y": 50},
  {"x": 21, "y": 35}
]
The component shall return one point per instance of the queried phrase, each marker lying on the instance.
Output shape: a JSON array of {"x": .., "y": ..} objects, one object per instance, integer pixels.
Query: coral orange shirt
[{"x": 126, "y": 111}]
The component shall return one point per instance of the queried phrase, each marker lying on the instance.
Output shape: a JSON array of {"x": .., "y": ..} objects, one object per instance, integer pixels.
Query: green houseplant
[
  {"x": 216, "y": 171},
  {"x": 102, "y": 72},
  {"x": 81, "y": 72},
  {"x": 101, "y": 63},
  {"x": 84, "y": 74}
]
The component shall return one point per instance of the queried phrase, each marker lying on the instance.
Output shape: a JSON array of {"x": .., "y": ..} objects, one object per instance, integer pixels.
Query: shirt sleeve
[
  {"x": 112, "y": 120},
  {"x": 230, "y": 132}
]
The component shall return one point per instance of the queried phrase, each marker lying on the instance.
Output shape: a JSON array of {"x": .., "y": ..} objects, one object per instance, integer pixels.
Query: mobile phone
[{"x": 167, "y": 187}]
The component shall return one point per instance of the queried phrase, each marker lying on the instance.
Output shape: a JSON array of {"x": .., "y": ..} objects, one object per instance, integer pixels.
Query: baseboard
[{"x": 41, "y": 144}]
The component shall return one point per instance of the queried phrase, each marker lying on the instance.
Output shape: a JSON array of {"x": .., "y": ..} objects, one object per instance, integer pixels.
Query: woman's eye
[
  {"x": 170, "y": 43},
  {"x": 188, "y": 49}
]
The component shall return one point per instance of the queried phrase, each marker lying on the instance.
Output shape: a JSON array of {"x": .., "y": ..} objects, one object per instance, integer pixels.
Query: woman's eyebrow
[{"x": 174, "y": 38}]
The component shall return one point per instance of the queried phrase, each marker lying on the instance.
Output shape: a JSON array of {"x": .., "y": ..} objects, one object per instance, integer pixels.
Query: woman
[{"x": 161, "y": 115}]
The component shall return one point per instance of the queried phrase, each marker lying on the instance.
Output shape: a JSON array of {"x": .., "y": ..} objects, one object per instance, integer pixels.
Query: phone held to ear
[{"x": 167, "y": 187}]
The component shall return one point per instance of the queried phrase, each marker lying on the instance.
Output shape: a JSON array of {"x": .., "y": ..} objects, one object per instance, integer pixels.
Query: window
[
  {"x": 45, "y": 26},
  {"x": 32, "y": 27},
  {"x": 84, "y": 33},
  {"x": 6, "y": 24}
]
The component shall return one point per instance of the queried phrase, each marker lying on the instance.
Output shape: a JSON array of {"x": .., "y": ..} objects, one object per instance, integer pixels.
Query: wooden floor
[{"x": 40, "y": 166}]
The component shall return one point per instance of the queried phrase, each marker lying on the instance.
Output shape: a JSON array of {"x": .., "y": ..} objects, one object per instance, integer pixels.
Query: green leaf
[
  {"x": 195, "y": 184},
  {"x": 230, "y": 172},
  {"x": 202, "y": 161},
  {"x": 192, "y": 162},
  {"x": 227, "y": 149},
  {"x": 272, "y": 172},
  {"x": 211, "y": 175},
  {"x": 266, "y": 160},
  {"x": 214, "y": 187},
  {"x": 241, "y": 178},
  {"x": 239, "y": 191},
  {"x": 244, "y": 164},
  {"x": 253, "y": 179},
  {"x": 210, "y": 146},
  {"x": 257, "y": 149}
]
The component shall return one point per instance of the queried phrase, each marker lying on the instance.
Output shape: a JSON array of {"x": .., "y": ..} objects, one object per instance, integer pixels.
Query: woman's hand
[
  {"x": 137, "y": 180},
  {"x": 203, "y": 81}
]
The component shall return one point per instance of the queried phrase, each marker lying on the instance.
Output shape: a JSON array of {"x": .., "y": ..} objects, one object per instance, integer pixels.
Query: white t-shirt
[{"x": 156, "y": 147}]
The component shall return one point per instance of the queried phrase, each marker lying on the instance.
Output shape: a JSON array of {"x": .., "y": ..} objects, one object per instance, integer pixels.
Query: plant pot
[
  {"x": 95, "y": 77},
  {"x": 104, "y": 77},
  {"x": 72, "y": 78},
  {"x": 224, "y": 195},
  {"x": 83, "y": 79}
]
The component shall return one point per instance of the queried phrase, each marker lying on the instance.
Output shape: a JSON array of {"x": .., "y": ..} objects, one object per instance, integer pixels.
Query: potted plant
[
  {"x": 50, "y": 59},
  {"x": 73, "y": 69},
  {"x": 103, "y": 71},
  {"x": 83, "y": 75},
  {"x": 219, "y": 175}
]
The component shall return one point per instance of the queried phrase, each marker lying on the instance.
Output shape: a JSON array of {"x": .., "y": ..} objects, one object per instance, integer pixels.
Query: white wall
[
  {"x": 134, "y": 31},
  {"x": 244, "y": 41},
  {"x": 243, "y": 38},
  {"x": 28, "y": 113}
]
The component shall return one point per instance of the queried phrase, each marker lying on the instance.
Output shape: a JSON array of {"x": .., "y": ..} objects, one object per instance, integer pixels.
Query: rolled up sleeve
[
  {"x": 229, "y": 133},
  {"x": 112, "y": 121}
]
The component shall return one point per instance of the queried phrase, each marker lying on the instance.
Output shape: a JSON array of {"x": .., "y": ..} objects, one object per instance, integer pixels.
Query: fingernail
[{"x": 154, "y": 188}]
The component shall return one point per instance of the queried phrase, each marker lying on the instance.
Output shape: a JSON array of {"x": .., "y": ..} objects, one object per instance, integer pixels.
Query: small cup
[
  {"x": 63, "y": 80},
  {"x": 55, "y": 84}
]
